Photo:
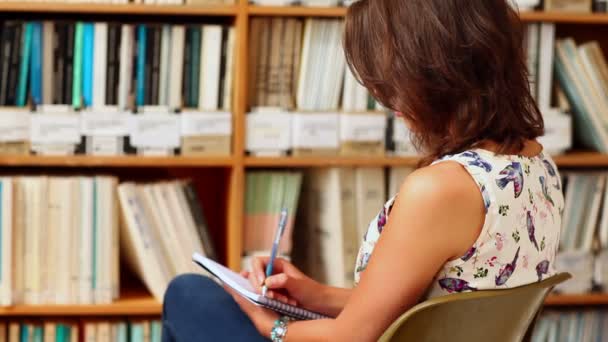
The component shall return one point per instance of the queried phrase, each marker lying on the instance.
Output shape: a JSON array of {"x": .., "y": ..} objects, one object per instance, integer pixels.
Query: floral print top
[{"x": 520, "y": 236}]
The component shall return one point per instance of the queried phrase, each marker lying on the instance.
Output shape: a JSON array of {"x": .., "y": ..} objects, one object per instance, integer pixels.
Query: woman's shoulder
[{"x": 441, "y": 184}]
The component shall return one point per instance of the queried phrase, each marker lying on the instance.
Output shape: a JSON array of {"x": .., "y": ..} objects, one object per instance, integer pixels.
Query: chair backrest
[{"x": 492, "y": 315}]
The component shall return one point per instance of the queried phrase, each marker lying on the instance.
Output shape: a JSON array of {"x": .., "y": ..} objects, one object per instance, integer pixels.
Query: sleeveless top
[{"x": 520, "y": 236}]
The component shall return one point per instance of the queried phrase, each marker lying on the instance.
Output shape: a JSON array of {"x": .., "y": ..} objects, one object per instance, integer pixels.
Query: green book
[
  {"x": 38, "y": 334},
  {"x": 122, "y": 332},
  {"x": 195, "y": 59},
  {"x": 77, "y": 66},
  {"x": 26, "y": 47},
  {"x": 155, "y": 331},
  {"x": 60, "y": 333}
]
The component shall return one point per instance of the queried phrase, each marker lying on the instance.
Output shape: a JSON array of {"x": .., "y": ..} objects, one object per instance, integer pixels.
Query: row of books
[
  {"x": 339, "y": 204},
  {"x": 326, "y": 223},
  {"x": 163, "y": 225},
  {"x": 582, "y": 73},
  {"x": 152, "y": 130},
  {"x": 97, "y": 331},
  {"x": 274, "y": 132},
  {"x": 96, "y": 64},
  {"x": 571, "y": 326},
  {"x": 299, "y": 63},
  {"x": 267, "y": 194},
  {"x": 583, "y": 249},
  {"x": 59, "y": 240},
  {"x": 60, "y": 237}
]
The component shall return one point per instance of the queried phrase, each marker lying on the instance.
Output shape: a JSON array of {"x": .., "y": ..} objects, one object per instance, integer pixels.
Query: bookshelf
[{"x": 141, "y": 303}]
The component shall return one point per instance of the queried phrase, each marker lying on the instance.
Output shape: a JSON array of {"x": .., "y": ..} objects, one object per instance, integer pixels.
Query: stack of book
[
  {"x": 163, "y": 225},
  {"x": 106, "y": 70},
  {"x": 267, "y": 194},
  {"x": 59, "y": 239},
  {"x": 338, "y": 207},
  {"x": 582, "y": 73},
  {"x": 584, "y": 236},
  {"x": 571, "y": 326},
  {"x": 93, "y": 331}
]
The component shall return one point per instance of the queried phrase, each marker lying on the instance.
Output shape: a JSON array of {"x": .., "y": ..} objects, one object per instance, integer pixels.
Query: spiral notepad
[{"x": 244, "y": 288}]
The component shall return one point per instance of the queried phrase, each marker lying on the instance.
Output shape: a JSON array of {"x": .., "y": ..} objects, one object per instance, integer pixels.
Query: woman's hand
[
  {"x": 262, "y": 318},
  {"x": 288, "y": 284}
]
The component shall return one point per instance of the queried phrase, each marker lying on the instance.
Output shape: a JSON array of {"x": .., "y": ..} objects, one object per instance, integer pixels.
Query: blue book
[
  {"x": 36, "y": 63},
  {"x": 88, "y": 46},
  {"x": 140, "y": 91},
  {"x": 26, "y": 45},
  {"x": 67, "y": 334},
  {"x": 24, "y": 333},
  {"x": 195, "y": 59},
  {"x": 137, "y": 332}
]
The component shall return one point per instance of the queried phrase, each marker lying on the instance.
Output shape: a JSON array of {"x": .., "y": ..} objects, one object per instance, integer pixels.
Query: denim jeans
[{"x": 198, "y": 309}]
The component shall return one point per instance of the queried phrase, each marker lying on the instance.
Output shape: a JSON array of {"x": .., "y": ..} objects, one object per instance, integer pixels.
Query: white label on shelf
[
  {"x": 362, "y": 127},
  {"x": 206, "y": 123},
  {"x": 14, "y": 126},
  {"x": 268, "y": 131},
  {"x": 55, "y": 128},
  {"x": 155, "y": 130},
  {"x": 315, "y": 130},
  {"x": 104, "y": 122}
]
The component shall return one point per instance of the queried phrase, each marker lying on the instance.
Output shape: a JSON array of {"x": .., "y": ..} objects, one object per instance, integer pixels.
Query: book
[
  {"x": 36, "y": 63},
  {"x": 22, "y": 86},
  {"x": 244, "y": 288}
]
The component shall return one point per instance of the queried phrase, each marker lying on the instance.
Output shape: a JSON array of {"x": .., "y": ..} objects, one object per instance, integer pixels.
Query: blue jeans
[{"x": 198, "y": 309}]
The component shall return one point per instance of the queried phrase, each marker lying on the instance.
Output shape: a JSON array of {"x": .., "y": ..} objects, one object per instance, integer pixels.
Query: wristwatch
[{"x": 279, "y": 330}]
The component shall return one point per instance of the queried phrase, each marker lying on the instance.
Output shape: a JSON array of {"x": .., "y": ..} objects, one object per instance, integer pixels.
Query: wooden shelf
[
  {"x": 330, "y": 161},
  {"x": 570, "y": 160},
  {"x": 567, "y": 18},
  {"x": 116, "y": 161},
  {"x": 582, "y": 159},
  {"x": 134, "y": 304},
  {"x": 297, "y": 11},
  {"x": 577, "y": 300},
  {"x": 142, "y": 304},
  {"x": 127, "y": 9}
]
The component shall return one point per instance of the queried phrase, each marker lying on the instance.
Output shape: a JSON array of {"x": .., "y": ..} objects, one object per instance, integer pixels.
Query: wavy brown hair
[{"x": 454, "y": 68}]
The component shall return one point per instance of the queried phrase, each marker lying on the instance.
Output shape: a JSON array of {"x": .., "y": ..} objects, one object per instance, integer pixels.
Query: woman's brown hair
[{"x": 454, "y": 68}]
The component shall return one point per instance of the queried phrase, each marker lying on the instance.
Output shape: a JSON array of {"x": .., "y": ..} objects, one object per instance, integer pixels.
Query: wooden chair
[{"x": 492, "y": 316}]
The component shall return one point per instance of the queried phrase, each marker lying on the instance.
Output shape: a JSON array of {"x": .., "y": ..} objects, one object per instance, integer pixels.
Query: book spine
[
  {"x": 151, "y": 34},
  {"x": 36, "y": 64},
  {"x": 155, "y": 66},
  {"x": 68, "y": 72},
  {"x": 223, "y": 65},
  {"x": 125, "y": 65},
  {"x": 199, "y": 219},
  {"x": 196, "y": 64},
  {"x": 15, "y": 59},
  {"x": 48, "y": 70},
  {"x": 99, "y": 58},
  {"x": 24, "y": 65},
  {"x": 77, "y": 66},
  {"x": 187, "y": 86},
  {"x": 165, "y": 53},
  {"x": 5, "y": 50},
  {"x": 141, "y": 65},
  {"x": 112, "y": 67},
  {"x": 88, "y": 47},
  {"x": 59, "y": 46}
]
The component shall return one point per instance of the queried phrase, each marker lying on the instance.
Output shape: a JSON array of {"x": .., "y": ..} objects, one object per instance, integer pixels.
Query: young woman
[{"x": 483, "y": 211}]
